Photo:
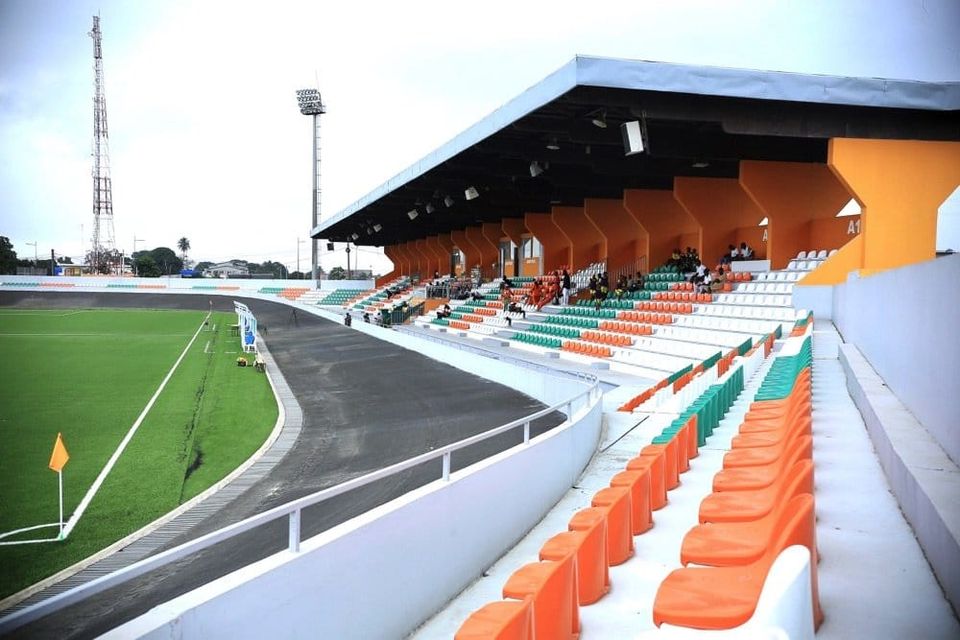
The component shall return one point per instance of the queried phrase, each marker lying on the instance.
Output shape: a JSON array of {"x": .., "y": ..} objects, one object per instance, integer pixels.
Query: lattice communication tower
[{"x": 103, "y": 235}]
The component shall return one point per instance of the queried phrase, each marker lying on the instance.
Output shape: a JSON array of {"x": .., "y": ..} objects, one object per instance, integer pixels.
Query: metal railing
[{"x": 290, "y": 510}]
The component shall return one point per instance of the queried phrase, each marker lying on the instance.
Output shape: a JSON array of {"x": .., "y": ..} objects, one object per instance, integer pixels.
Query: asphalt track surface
[{"x": 366, "y": 404}]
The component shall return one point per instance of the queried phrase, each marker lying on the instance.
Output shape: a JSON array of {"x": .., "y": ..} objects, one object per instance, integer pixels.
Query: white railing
[{"x": 291, "y": 511}]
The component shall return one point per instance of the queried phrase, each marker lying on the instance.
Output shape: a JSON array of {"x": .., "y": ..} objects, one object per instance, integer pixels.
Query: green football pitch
[{"x": 89, "y": 374}]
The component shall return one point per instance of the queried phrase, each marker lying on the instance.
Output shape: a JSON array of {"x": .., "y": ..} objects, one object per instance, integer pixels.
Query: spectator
[
  {"x": 746, "y": 253},
  {"x": 536, "y": 291},
  {"x": 565, "y": 287},
  {"x": 621, "y": 287}
]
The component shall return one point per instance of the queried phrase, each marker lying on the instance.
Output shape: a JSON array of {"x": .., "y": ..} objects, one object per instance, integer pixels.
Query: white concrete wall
[
  {"x": 383, "y": 573},
  {"x": 815, "y": 298},
  {"x": 905, "y": 322}
]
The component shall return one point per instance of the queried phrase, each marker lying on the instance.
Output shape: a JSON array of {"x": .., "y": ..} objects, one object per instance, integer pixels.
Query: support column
[
  {"x": 489, "y": 253},
  {"x": 418, "y": 261},
  {"x": 391, "y": 252},
  {"x": 556, "y": 245},
  {"x": 795, "y": 196},
  {"x": 431, "y": 263},
  {"x": 471, "y": 254},
  {"x": 587, "y": 244},
  {"x": 627, "y": 241},
  {"x": 721, "y": 207},
  {"x": 445, "y": 242},
  {"x": 900, "y": 185},
  {"x": 669, "y": 226},
  {"x": 492, "y": 233},
  {"x": 442, "y": 257},
  {"x": 403, "y": 258},
  {"x": 514, "y": 228}
]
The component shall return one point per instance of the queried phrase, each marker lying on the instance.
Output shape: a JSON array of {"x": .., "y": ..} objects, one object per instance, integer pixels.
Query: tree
[
  {"x": 8, "y": 257},
  {"x": 184, "y": 245},
  {"x": 65, "y": 260},
  {"x": 167, "y": 260},
  {"x": 202, "y": 266},
  {"x": 146, "y": 266},
  {"x": 104, "y": 261},
  {"x": 338, "y": 273}
]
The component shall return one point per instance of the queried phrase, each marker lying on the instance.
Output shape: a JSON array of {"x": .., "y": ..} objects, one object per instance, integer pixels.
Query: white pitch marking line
[{"x": 92, "y": 491}]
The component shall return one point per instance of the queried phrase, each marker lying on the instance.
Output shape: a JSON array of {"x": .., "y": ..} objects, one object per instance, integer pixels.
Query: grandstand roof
[{"x": 700, "y": 121}]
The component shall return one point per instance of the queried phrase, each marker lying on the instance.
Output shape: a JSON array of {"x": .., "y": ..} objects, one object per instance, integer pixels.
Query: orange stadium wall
[
  {"x": 587, "y": 244},
  {"x": 443, "y": 257},
  {"x": 627, "y": 241},
  {"x": 792, "y": 195},
  {"x": 832, "y": 233},
  {"x": 666, "y": 222},
  {"x": 720, "y": 206},
  {"x": 430, "y": 264},
  {"x": 556, "y": 245}
]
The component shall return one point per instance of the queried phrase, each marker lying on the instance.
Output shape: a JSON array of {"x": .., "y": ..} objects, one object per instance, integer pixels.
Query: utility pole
[
  {"x": 34, "y": 245},
  {"x": 133, "y": 259},
  {"x": 300, "y": 242}
]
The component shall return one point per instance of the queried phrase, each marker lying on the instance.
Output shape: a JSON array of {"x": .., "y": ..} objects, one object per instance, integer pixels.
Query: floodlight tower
[
  {"x": 102, "y": 190},
  {"x": 311, "y": 105}
]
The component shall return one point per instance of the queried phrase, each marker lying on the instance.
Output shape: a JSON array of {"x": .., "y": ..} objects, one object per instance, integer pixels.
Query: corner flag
[{"x": 59, "y": 456}]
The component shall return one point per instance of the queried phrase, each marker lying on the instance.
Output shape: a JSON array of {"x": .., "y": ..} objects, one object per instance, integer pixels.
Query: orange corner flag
[{"x": 59, "y": 457}]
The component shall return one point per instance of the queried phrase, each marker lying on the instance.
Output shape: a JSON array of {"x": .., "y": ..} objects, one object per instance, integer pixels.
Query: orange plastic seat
[
  {"x": 725, "y": 544},
  {"x": 753, "y": 504},
  {"x": 590, "y": 548},
  {"x": 501, "y": 620},
  {"x": 616, "y": 502},
  {"x": 641, "y": 516},
  {"x": 760, "y": 476},
  {"x": 726, "y": 597},
  {"x": 654, "y": 461},
  {"x": 552, "y": 587}
]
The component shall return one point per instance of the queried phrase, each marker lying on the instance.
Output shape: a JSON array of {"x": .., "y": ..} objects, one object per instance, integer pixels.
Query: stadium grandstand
[{"x": 764, "y": 448}]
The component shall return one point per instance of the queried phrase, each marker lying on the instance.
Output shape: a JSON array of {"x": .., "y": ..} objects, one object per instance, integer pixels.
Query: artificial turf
[{"x": 89, "y": 374}]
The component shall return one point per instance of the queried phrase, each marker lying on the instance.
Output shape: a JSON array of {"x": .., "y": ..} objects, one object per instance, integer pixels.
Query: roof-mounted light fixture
[
  {"x": 354, "y": 236},
  {"x": 448, "y": 201},
  {"x": 412, "y": 214},
  {"x": 553, "y": 145},
  {"x": 634, "y": 136},
  {"x": 377, "y": 228},
  {"x": 536, "y": 169},
  {"x": 430, "y": 207},
  {"x": 600, "y": 120},
  {"x": 471, "y": 193}
]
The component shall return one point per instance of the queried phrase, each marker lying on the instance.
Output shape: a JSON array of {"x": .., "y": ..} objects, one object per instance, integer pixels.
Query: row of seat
[
  {"x": 822, "y": 254},
  {"x": 681, "y": 296},
  {"x": 748, "y": 311},
  {"x": 725, "y": 323},
  {"x": 542, "y": 599},
  {"x": 762, "y": 503},
  {"x": 765, "y": 287},
  {"x": 755, "y": 299}
]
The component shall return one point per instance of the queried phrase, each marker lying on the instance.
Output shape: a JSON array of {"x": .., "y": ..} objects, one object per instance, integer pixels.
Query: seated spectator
[
  {"x": 476, "y": 295},
  {"x": 746, "y": 253},
  {"x": 705, "y": 283},
  {"x": 621, "y": 287},
  {"x": 699, "y": 271},
  {"x": 536, "y": 291},
  {"x": 674, "y": 260},
  {"x": 444, "y": 312}
]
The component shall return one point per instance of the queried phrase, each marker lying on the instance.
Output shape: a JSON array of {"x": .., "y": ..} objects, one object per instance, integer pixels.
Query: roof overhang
[{"x": 698, "y": 121}]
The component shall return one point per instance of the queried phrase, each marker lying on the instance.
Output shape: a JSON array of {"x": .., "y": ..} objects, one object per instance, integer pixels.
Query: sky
[{"x": 206, "y": 140}]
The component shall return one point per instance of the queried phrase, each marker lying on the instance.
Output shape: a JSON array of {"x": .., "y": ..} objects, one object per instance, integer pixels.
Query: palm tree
[{"x": 184, "y": 245}]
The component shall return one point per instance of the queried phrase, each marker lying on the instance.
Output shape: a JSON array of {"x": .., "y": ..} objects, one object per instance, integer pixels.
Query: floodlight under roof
[
  {"x": 430, "y": 207},
  {"x": 377, "y": 228},
  {"x": 412, "y": 214},
  {"x": 600, "y": 120},
  {"x": 448, "y": 201},
  {"x": 471, "y": 193},
  {"x": 535, "y": 169}
]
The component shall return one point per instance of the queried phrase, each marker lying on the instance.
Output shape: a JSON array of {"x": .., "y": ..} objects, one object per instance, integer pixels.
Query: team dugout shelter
[{"x": 621, "y": 162}]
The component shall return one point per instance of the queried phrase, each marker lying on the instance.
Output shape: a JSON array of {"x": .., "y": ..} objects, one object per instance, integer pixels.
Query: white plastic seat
[
  {"x": 801, "y": 255},
  {"x": 832, "y": 253},
  {"x": 822, "y": 254}
]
